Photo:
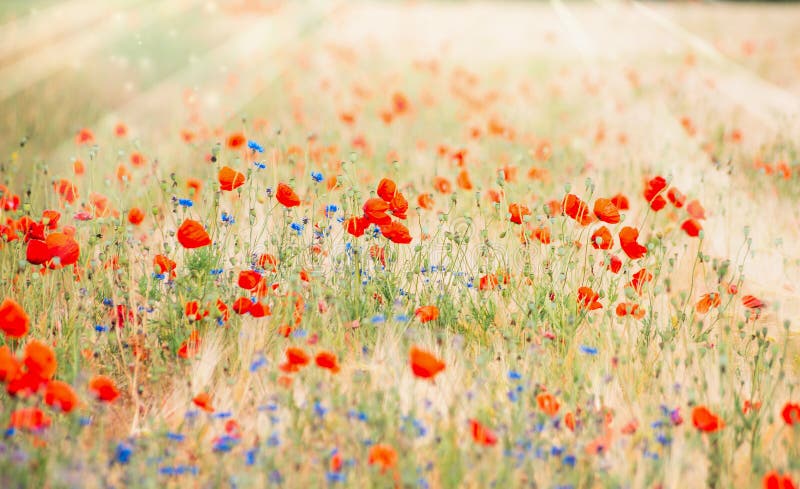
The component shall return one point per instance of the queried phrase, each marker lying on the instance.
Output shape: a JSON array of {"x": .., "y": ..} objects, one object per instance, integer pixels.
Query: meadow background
[{"x": 393, "y": 244}]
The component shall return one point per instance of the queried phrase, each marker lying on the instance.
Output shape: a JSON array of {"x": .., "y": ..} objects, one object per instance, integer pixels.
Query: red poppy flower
[
  {"x": 356, "y": 226},
  {"x": 224, "y": 312},
  {"x": 708, "y": 301},
  {"x": 614, "y": 264},
  {"x": 296, "y": 358},
  {"x": 375, "y": 211},
  {"x": 382, "y": 455},
  {"x": 230, "y": 179},
  {"x": 627, "y": 240},
  {"x": 195, "y": 185},
  {"x": 9, "y": 364},
  {"x": 493, "y": 195},
  {"x": 400, "y": 104},
  {"x": 235, "y": 140},
  {"x": 203, "y": 401},
  {"x": 692, "y": 227},
  {"x": 706, "y": 421},
  {"x": 602, "y": 239},
  {"x": 286, "y": 196},
  {"x": 242, "y": 305},
  {"x": 750, "y": 406},
  {"x": 60, "y": 395},
  {"x": 50, "y": 218},
  {"x": 30, "y": 419},
  {"x": 606, "y": 211},
  {"x": 587, "y": 298},
  {"x": 620, "y": 202},
  {"x": 752, "y": 302},
  {"x": 676, "y": 197},
  {"x": 427, "y": 313},
  {"x": 652, "y": 191},
  {"x": 267, "y": 262},
  {"x": 791, "y": 413},
  {"x": 425, "y": 201},
  {"x": 31, "y": 228},
  {"x": 547, "y": 403},
  {"x": 696, "y": 210},
  {"x": 424, "y": 364},
  {"x": 569, "y": 421},
  {"x": 481, "y": 434},
  {"x": 387, "y": 189},
  {"x": 399, "y": 206},
  {"x": 135, "y": 216},
  {"x": 542, "y": 234},
  {"x": 164, "y": 265},
  {"x": 25, "y": 384},
  {"x": 336, "y": 463},
  {"x": 639, "y": 279},
  {"x": 193, "y": 311},
  {"x": 62, "y": 247},
  {"x": 84, "y": 136},
  {"x": 488, "y": 282},
  {"x": 66, "y": 190},
  {"x": 249, "y": 279},
  {"x": 14, "y": 321},
  {"x": 378, "y": 253},
  {"x": 463, "y": 181},
  {"x": 191, "y": 234},
  {"x": 629, "y": 309},
  {"x": 259, "y": 310},
  {"x": 396, "y": 233},
  {"x": 137, "y": 159},
  {"x": 518, "y": 212},
  {"x": 328, "y": 361},
  {"x": 577, "y": 209},
  {"x": 774, "y": 480},
  {"x": 103, "y": 388},
  {"x": 442, "y": 185},
  {"x": 191, "y": 346},
  {"x": 120, "y": 130},
  {"x": 40, "y": 359}
]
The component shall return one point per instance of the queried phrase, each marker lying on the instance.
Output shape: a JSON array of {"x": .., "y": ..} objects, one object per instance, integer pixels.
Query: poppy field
[{"x": 399, "y": 244}]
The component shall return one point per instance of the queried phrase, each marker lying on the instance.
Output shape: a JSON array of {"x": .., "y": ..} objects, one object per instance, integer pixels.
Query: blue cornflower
[
  {"x": 175, "y": 436},
  {"x": 250, "y": 456},
  {"x": 255, "y": 146},
  {"x": 225, "y": 443},
  {"x": 334, "y": 477},
  {"x": 258, "y": 363},
  {"x": 123, "y": 453}
]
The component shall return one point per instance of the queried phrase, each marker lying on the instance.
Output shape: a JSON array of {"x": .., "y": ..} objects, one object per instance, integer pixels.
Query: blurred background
[{"x": 129, "y": 60}]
